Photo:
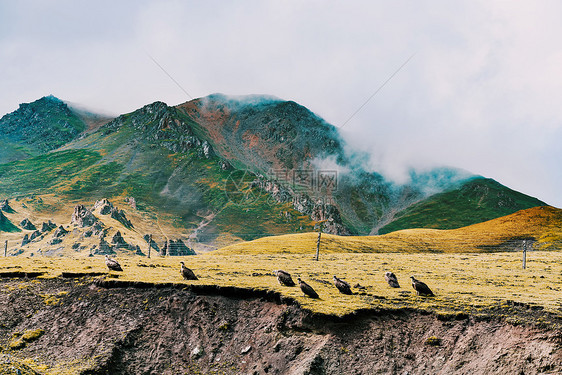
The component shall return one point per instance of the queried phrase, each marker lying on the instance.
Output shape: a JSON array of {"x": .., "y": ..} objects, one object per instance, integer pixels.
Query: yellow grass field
[
  {"x": 463, "y": 283},
  {"x": 472, "y": 270},
  {"x": 503, "y": 234}
]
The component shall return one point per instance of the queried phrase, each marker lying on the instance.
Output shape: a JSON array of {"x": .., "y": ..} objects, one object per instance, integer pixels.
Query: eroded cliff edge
[{"x": 141, "y": 329}]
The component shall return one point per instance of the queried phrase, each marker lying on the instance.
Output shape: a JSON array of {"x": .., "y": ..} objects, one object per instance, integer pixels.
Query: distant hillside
[
  {"x": 37, "y": 127},
  {"x": 540, "y": 227},
  {"x": 477, "y": 200}
]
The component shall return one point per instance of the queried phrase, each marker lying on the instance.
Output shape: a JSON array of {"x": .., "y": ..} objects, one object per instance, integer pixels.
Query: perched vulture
[
  {"x": 187, "y": 273},
  {"x": 421, "y": 288},
  {"x": 112, "y": 264},
  {"x": 342, "y": 286},
  {"x": 284, "y": 278},
  {"x": 307, "y": 289},
  {"x": 391, "y": 279}
]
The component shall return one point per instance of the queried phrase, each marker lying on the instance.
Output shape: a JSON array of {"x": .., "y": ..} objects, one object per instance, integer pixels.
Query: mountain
[
  {"x": 476, "y": 200},
  {"x": 263, "y": 134},
  {"x": 220, "y": 169},
  {"x": 38, "y": 127}
]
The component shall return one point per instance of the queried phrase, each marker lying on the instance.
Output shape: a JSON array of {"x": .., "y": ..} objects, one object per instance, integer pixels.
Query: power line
[
  {"x": 172, "y": 78},
  {"x": 376, "y": 92}
]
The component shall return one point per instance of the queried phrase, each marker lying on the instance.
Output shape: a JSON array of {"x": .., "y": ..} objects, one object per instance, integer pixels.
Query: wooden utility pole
[
  {"x": 6, "y": 248},
  {"x": 318, "y": 243},
  {"x": 524, "y": 254},
  {"x": 319, "y": 224},
  {"x": 149, "y": 245}
]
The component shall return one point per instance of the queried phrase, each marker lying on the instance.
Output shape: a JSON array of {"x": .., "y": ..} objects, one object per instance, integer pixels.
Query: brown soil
[{"x": 144, "y": 329}]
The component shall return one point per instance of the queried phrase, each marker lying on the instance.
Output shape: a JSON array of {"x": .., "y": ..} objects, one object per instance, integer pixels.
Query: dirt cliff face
[{"x": 88, "y": 329}]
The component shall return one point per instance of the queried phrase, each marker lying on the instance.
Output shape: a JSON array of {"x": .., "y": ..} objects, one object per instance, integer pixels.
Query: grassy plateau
[
  {"x": 474, "y": 283},
  {"x": 472, "y": 270}
]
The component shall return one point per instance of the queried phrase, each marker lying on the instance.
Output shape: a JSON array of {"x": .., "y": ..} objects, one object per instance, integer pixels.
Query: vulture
[
  {"x": 391, "y": 279},
  {"x": 187, "y": 273},
  {"x": 112, "y": 264},
  {"x": 342, "y": 286},
  {"x": 307, "y": 289},
  {"x": 284, "y": 278},
  {"x": 421, "y": 288}
]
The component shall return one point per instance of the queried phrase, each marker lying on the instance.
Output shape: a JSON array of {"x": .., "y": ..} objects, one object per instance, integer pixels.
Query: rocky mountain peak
[
  {"x": 38, "y": 127},
  {"x": 82, "y": 217}
]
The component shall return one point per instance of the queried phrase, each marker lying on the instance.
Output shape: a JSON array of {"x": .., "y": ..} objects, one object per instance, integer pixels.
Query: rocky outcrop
[
  {"x": 103, "y": 248},
  {"x": 119, "y": 215},
  {"x": 206, "y": 150},
  {"x": 153, "y": 243},
  {"x": 5, "y": 206},
  {"x": 82, "y": 217},
  {"x": 118, "y": 240},
  {"x": 96, "y": 229},
  {"x": 47, "y": 227},
  {"x": 224, "y": 165},
  {"x": 60, "y": 232},
  {"x": 176, "y": 248},
  {"x": 3, "y": 218},
  {"x": 6, "y": 225},
  {"x": 27, "y": 224},
  {"x": 317, "y": 210},
  {"x": 35, "y": 235},
  {"x": 55, "y": 241},
  {"x": 132, "y": 202},
  {"x": 104, "y": 206},
  {"x": 25, "y": 240}
]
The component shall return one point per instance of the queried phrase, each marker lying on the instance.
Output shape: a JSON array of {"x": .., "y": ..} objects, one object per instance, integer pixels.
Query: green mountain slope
[
  {"x": 154, "y": 156},
  {"x": 6, "y": 225},
  {"x": 475, "y": 201},
  {"x": 36, "y": 128}
]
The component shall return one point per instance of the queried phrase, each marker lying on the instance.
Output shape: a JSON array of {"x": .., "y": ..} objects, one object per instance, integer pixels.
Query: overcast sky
[{"x": 481, "y": 89}]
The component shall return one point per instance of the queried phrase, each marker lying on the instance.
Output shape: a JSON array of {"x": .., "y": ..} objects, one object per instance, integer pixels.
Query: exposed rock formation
[
  {"x": 132, "y": 202},
  {"x": 55, "y": 241},
  {"x": 25, "y": 240},
  {"x": 107, "y": 208},
  {"x": 104, "y": 205},
  {"x": 118, "y": 240},
  {"x": 153, "y": 244},
  {"x": 176, "y": 248},
  {"x": 317, "y": 209},
  {"x": 224, "y": 165},
  {"x": 27, "y": 224},
  {"x": 5, "y": 206},
  {"x": 82, "y": 217},
  {"x": 35, "y": 235},
  {"x": 103, "y": 248},
  {"x": 119, "y": 215},
  {"x": 96, "y": 229},
  {"x": 47, "y": 227},
  {"x": 60, "y": 232}
]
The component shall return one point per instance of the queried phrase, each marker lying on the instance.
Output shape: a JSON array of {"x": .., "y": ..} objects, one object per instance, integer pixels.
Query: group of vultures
[
  {"x": 343, "y": 286},
  {"x": 285, "y": 279}
]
